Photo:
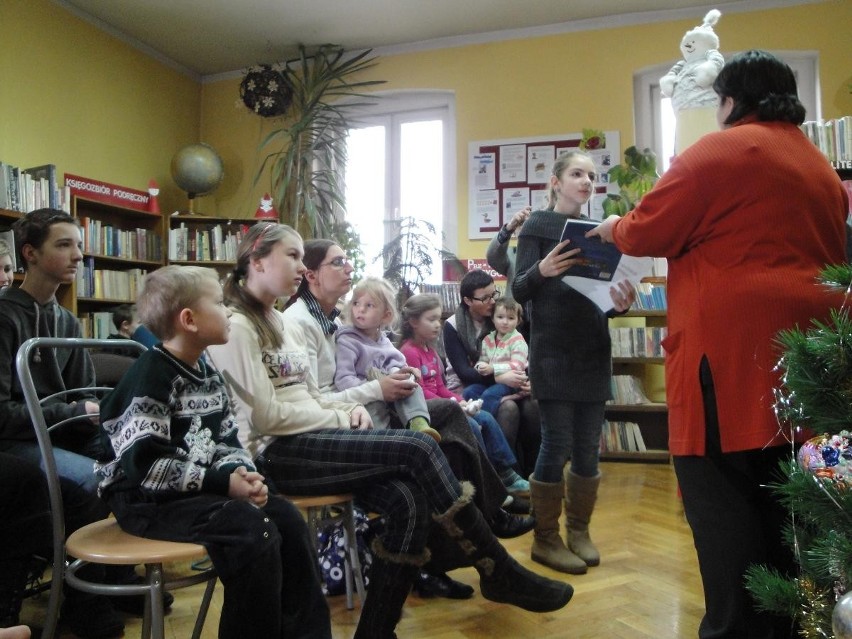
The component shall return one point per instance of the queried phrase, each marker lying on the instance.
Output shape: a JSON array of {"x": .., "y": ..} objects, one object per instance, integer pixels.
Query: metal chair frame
[{"x": 121, "y": 548}]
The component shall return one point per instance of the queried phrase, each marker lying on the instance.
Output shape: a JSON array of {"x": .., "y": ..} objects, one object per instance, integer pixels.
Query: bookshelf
[
  {"x": 638, "y": 383},
  {"x": 120, "y": 246},
  {"x": 205, "y": 241}
]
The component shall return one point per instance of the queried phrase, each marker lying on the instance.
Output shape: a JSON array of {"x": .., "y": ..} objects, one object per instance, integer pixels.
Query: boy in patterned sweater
[
  {"x": 175, "y": 469},
  {"x": 503, "y": 349}
]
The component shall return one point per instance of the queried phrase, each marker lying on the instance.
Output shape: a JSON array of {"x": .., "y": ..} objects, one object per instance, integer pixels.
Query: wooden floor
[{"x": 647, "y": 585}]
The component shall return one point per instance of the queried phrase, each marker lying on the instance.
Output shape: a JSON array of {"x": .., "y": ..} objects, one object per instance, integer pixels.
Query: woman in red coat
[{"x": 747, "y": 217}]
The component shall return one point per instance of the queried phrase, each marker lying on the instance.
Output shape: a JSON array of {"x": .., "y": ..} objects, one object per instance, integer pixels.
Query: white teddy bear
[{"x": 689, "y": 83}]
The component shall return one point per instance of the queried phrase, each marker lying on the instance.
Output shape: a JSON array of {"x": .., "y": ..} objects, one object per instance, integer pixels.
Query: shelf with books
[
  {"x": 120, "y": 246},
  {"x": 204, "y": 240},
  {"x": 637, "y": 417}
]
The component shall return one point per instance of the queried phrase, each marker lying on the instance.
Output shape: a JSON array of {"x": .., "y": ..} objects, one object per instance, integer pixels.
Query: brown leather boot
[
  {"x": 547, "y": 547},
  {"x": 581, "y": 493}
]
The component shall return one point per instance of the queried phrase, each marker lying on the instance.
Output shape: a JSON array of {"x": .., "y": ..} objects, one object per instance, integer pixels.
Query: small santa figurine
[
  {"x": 266, "y": 210},
  {"x": 689, "y": 83}
]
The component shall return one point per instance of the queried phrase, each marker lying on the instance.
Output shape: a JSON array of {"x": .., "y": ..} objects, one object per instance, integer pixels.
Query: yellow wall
[
  {"x": 76, "y": 97},
  {"x": 554, "y": 84},
  {"x": 83, "y": 100}
]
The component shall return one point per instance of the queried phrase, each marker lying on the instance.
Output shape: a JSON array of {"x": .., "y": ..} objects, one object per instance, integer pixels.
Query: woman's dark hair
[
  {"x": 472, "y": 281},
  {"x": 760, "y": 85},
  {"x": 315, "y": 252}
]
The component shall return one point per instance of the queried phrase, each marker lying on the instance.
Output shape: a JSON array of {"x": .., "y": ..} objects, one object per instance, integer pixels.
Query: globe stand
[{"x": 190, "y": 211}]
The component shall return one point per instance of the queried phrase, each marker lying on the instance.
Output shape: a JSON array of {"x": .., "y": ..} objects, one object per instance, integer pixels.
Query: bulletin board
[{"x": 505, "y": 176}]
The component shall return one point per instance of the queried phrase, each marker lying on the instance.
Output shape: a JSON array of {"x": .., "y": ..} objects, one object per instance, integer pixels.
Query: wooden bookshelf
[
  {"x": 644, "y": 361},
  {"x": 201, "y": 240}
]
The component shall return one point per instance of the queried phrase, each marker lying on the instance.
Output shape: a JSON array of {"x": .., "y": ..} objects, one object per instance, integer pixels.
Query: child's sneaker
[
  {"x": 420, "y": 425},
  {"x": 519, "y": 487}
]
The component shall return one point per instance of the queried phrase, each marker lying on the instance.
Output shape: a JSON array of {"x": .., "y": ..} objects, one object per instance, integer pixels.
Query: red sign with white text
[{"x": 108, "y": 193}]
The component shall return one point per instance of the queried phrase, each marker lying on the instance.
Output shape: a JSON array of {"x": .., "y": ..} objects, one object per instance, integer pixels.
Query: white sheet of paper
[{"x": 632, "y": 269}]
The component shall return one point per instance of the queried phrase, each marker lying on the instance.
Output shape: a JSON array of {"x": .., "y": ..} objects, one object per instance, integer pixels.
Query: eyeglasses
[
  {"x": 487, "y": 298},
  {"x": 338, "y": 262}
]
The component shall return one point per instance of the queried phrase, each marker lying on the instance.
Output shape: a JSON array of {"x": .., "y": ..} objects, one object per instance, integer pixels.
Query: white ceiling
[{"x": 210, "y": 37}]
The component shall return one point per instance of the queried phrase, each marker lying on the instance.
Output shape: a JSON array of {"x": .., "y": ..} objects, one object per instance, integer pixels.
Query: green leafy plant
[
  {"x": 308, "y": 153},
  {"x": 407, "y": 257},
  {"x": 635, "y": 177}
]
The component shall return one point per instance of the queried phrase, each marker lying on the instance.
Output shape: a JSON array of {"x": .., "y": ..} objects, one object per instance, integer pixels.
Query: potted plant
[
  {"x": 306, "y": 156},
  {"x": 635, "y": 177},
  {"x": 407, "y": 257}
]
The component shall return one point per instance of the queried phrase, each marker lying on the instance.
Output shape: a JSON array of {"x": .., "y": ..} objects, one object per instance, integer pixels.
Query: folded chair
[{"x": 103, "y": 542}]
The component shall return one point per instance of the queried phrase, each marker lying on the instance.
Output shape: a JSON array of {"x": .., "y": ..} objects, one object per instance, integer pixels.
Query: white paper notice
[
  {"x": 540, "y": 163},
  {"x": 513, "y": 163},
  {"x": 483, "y": 171},
  {"x": 487, "y": 208}
]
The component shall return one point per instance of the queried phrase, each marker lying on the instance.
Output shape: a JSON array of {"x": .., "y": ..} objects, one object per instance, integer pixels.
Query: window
[
  {"x": 401, "y": 163},
  {"x": 655, "y": 119}
]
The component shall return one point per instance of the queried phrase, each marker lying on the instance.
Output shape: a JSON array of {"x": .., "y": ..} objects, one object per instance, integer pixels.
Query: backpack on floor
[{"x": 331, "y": 552}]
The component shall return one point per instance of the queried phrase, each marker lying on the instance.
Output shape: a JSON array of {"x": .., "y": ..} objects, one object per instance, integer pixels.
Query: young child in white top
[
  {"x": 503, "y": 349},
  {"x": 6, "y": 274},
  {"x": 365, "y": 353}
]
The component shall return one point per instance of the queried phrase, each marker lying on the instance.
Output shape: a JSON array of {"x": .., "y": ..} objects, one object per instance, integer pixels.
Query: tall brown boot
[
  {"x": 501, "y": 578},
  {"x": 547, "y": 547},
  {"x": 581, "y": 493}
]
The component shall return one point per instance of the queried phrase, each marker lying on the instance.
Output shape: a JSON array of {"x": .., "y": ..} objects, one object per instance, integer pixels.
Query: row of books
[
  {"x": 216, "y": 243},
  {"x": 650, "y": 297},
  {"x": 107, "y": 284},
  {"x": 448, "y": 292},
  {"x": 26, "y": 190},
  {"x": 642, "y": 341},
  {"x": 136, "y": 244},
  {"x": 833, "y": 137},
  {"x": 627, "y": 390},
  {"x": 97, "y": 325},
  {"x": 619, "y": 437}
]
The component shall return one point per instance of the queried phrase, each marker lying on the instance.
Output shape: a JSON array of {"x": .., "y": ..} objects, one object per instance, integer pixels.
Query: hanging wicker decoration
[{"x": 266, "y": 90}]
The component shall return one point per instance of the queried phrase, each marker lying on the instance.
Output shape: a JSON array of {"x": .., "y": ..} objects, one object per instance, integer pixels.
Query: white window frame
[
  {"x": 396, "y": 107},
  {"x": 646, "y": 94}
]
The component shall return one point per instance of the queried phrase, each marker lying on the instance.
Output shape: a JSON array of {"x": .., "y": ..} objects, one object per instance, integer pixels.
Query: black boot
[
  {"x": 391, "y": 578},
  {"x": 501, "y": 578},
  {"x": 13, "y": 582}
]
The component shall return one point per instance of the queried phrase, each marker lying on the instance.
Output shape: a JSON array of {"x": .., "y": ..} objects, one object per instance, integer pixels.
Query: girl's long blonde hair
[
  {"x": 257, "y": 243},
  {"x": 380, "y": 290}
]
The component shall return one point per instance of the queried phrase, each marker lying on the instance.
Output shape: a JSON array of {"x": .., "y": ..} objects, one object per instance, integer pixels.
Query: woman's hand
[
  {"x": 604, "y": 229},
  {"x": 359, "y": 419},
  {"x": 513, "y": 378},
  {"x": 248, "y": 486},
  {"x": 623, "y": 295},
  {"x": 396, "y": 386},
  {"x": 556, "y": 263}
]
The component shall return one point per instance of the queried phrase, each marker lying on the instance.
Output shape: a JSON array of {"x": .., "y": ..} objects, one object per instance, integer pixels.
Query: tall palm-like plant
[{"x": 306, "y": 158}]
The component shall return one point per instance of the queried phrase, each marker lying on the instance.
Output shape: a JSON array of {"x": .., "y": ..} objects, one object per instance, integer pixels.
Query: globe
[{"x": 197, "y": 169}]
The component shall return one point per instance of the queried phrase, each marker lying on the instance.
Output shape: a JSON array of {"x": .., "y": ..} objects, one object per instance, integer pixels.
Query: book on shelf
[
  {"x": 602, "y": 266},
  {"x": 641, "y": 341},
  {"x": 45, "y": 189},
  {"x": 833, "y": 138},
  {"x": 618, "y": 437},
  {"x": 627, "y": 390}
]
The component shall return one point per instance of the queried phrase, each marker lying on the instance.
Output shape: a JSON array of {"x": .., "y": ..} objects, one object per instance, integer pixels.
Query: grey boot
[
  {"x": 501, "y": 578},
  {"x": 547, "y": 547},
  {"x": 581, "y": 493}
]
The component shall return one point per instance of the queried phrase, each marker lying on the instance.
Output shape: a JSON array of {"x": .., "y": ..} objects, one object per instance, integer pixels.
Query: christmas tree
[{"x": 816, "y": 394}]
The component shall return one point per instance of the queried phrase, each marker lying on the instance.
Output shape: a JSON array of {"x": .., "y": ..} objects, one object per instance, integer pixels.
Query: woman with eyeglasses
[
  {"x": 311, "y": 444},
  {"x": 462, "y": 336}
]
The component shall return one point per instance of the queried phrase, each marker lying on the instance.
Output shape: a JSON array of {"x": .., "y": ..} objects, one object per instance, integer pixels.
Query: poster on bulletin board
[{"x": 507, "y": 175}]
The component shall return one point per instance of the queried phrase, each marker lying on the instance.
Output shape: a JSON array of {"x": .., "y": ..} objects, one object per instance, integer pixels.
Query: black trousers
[
  {"x": 264, "y": 557},
  {"x": 736, "y": 521}
]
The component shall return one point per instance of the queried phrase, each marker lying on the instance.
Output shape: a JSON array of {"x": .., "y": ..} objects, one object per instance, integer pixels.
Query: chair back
[{"x": 42, "y": 431}]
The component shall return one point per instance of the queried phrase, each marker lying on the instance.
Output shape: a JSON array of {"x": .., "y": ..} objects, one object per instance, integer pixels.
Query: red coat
[{"x": 746, "y": 217}]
